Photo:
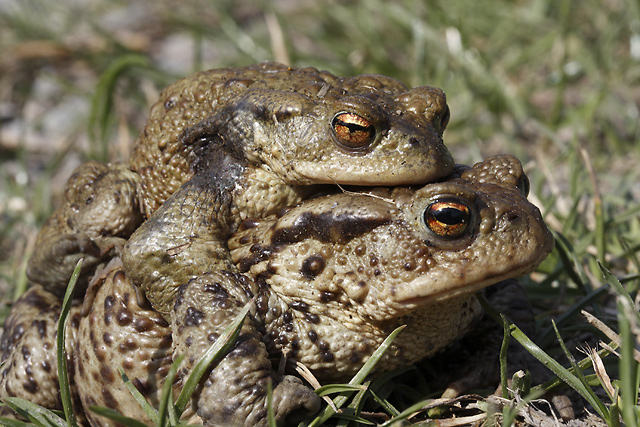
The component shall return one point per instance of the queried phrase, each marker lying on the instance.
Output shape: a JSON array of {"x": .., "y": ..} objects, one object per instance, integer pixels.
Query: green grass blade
[
  {"x": 564, "y": 374},
  {"x": 63, "y": 373},
  {"x": 385, "y": 405},
  {"x": 404, "y": 415},
  {"x": 219, "y": 348},
  {"x": 171, "y": 410},
  {"x": 354, "y": 418},
  {"x": 166, "y": 396},
  {"x": 357, "y": 403},
  {"x": 576, "y": 369},
  {"x": 8, "y": 422},
  {"x": 337, "y": 388},
  {"x": 38, "y": 415},
  {"x": 116, "y": 416},
  {"x": 271, "y": 417},
  {"x": 146, "y": 407},
  {"x": 366, "y": 369},
  {"x": 357, "y": 379},
  {"x": 618, "y": 288},
  {"x": 569, "y": 260},
  {"x": 571, "y": 311},
  {"x": 628, "y": 366},
  {"x": 583, "y": 364},
  {"x": 102, "y": 102}
]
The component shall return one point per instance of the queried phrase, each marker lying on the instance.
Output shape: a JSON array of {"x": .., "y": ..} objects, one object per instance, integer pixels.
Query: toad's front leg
[
  {"x": 235, "y": 391},
  {"x": 99, "y": 212}
]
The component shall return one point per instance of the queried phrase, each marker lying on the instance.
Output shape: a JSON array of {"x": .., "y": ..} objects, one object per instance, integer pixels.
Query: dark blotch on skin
[
  {"x": 26, "y": 353},
  {"x": 325, "y": 297},
  {"x": 142, "y": 324},
  {"x": 127, "y": 346},
  {"x": 287, "y": 317},
  {"x": 282, "y": 339},
  {"x": 41, "y": 326},
  {"x": 312, "y": 266},
  {"x": 215, "y": 288},
  {"x": 259, "y": 253},
  {"x": 229, "y": 410},
  {"x": 312, "y": 318},
  {"x": 246, "y": 346},
  {"x": 107, "y": 374},
  {"x": 34, "y": 300},
  {"x": 124, "y": 317},
  {"x": 248, "y": 224},
  {"x": 328, "y": 357},
  {"x": 328, "y": 227},
  {"x": 107, "y": 338},
  {"x": 193, "y": 317},
  {"x": 30, "y": 385},
  {"x": 262, "y": 303},
  {"x": 109, "y": 400},
  {"x": 300, "y": 306}
]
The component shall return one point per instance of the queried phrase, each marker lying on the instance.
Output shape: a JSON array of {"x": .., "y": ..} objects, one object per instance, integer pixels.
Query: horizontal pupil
[
  {"x": 450, "y": 216},
  {"x": 352, "y": 127}
]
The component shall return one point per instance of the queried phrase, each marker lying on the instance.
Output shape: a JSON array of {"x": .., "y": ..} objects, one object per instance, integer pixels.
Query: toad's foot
[
  {"x": 235, "y": 392},
  {"x": 98, "y": 213},
  {"x": 28, "y": 351}
]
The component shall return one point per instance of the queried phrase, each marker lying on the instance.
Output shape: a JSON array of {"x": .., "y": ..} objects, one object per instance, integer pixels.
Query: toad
[
  {"x": 331, "y": 278},
  {"x": 258, "y": 137}
]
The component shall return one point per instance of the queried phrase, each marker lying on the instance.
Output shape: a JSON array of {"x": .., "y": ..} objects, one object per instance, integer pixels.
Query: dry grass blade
[
  {"x": 610, "y": 333},
  {"x": 601, "y": 372}
]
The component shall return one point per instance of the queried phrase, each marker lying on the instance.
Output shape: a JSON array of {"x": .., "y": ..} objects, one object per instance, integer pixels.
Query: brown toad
[
  {"x": 337, "y": 274},
  {"x": 282, "y": 128},
  {"x": 294, "y": 126},
  {"x": 333, "y": 276}
]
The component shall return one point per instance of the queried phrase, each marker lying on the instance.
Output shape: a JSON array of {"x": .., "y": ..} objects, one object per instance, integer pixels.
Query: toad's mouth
[
  {"x": 371, "y": 172},
  {"x": 441, "y": 293}
]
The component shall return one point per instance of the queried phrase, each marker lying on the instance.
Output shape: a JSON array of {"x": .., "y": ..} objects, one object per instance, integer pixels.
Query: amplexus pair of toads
[{"x": 198, "y": 224}]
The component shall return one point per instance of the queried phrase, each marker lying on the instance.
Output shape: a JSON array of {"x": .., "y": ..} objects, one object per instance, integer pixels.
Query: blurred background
[{"x": 552, "y": 82}]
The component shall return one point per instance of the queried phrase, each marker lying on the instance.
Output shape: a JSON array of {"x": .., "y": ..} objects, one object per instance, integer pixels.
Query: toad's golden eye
[
  {"x": 354, "y": 132},
  {"x": 449, "y": 218}
]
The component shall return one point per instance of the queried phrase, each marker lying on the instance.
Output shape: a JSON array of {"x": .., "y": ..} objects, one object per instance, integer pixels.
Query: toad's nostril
[{"x": 512, "y": 216}]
